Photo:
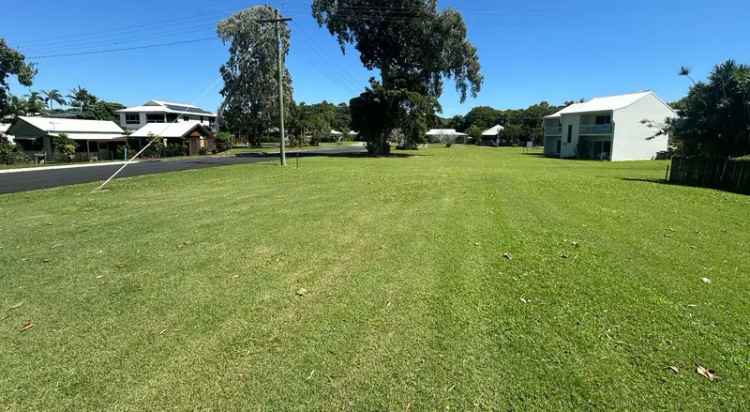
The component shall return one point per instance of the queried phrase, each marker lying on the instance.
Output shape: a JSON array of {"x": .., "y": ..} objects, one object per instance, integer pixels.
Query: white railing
[{"x": 595, "y": 129}]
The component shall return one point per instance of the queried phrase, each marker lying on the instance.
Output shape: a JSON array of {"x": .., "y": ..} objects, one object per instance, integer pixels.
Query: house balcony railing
[
  {"x": 553, "y": 131},
  {"x": 589, "y": 129}
]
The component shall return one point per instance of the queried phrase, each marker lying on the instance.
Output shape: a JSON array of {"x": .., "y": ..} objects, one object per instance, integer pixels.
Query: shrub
[
  {"x": 175, "y": 150},
  {"x": 155, "y": 150},
  {"x": 64, "y": 147},
  {"x": 10, "y": 154},
  {"x": 223, "y": 141}
]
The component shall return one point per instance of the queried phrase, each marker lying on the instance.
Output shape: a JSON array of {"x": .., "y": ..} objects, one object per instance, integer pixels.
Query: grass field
[{"x": 378, "y": 284}]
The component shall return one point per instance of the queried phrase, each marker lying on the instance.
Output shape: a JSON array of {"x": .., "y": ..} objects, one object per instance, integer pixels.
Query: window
[
  {"x": 603, "y": 120},
  {"x": 570, "y": 133},
  {"x": 132, "y": 118},
  {"x": 155, "y": 118}
]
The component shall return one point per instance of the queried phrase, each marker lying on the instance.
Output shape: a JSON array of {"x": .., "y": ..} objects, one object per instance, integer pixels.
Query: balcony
[
  {"x": 553, "y": 131},
  {"x": 595, "y": 129}
]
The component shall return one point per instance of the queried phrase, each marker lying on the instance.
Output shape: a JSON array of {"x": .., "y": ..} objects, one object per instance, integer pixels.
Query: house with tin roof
[
  {"x": 193, "y": 137},
  {"x": 158, "y": 111},
  {"x": 613, "y": 128},
  {"x": 94, "y": 139}
]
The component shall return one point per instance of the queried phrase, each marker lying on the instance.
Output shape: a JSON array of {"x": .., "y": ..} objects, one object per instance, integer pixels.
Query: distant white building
[
  {"x": 157, "y": 111},
  {"x": 444, "y": 135},
  {"x": 492, "y": 136},
  {"x": 609, "y": 128}
]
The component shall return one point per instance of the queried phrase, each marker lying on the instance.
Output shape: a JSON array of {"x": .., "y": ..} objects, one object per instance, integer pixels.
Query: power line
[
  {"x": 115, "y": 50},
  {"x": 159, "y": 25}
]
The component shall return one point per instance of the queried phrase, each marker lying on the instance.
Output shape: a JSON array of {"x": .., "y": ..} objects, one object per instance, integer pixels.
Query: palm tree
[
  {"x": 34, "y": 103},
  {"x": 685, "y": 72},
  {"x": 53, "y": 96},
  {"x": 81, "y": 98}
]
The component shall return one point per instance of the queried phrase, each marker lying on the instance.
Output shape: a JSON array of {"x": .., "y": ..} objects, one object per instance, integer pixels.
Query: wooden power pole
[{"x": 282, "y": 131}]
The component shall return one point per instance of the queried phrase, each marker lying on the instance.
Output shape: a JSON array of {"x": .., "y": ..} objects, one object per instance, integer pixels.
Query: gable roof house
[
  {"x": 157, "y": 111},
  {"x": 491, "y": 136},
  {"x": 95, "y": 139},
  {"x": 195, "y": 138},
  {"x": 613, "y": 128}
]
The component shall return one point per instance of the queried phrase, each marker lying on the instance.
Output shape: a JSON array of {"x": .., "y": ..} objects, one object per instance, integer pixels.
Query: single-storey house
[
  {"x": 157, "y": 111},
  {"x": 196, "y": 138},
  {"x": 492, "y": 136},
  {"x": 609, "y": 128},
  {"x": 448, "y": 136},
  {"x": 95, "y": 139}
]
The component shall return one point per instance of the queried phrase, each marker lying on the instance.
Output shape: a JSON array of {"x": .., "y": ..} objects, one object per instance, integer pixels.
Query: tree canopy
[
  {"x": 12, "y": 63},
  {"x": 317, "y": 120},
  {"x": 520, "y": 125},
  {"x": 81, "y": 98},
  {"x": 715, "y": 116},
  {"x": 251, "y": 73},
  {"x": 415, "y": 47}
]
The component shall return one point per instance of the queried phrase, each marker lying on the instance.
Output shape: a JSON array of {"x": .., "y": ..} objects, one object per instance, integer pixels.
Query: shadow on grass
[
  {"x": 347, "y": 155},
  {"x": 647, "y": 180},
  {"x": 668, "y": 183}
]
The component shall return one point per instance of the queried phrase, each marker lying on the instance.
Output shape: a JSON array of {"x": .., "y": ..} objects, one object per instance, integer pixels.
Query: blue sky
[{"x": 530, "y": 51}]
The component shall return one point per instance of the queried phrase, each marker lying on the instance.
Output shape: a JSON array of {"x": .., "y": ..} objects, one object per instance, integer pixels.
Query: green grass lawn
[{"x": 184, "y": 291}]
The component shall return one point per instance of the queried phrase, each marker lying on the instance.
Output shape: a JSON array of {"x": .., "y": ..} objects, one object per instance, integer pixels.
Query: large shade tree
[
  {"x": 415, "y": 47},
  {"x": 12, "y": 63},
  {"x": 251, "y": 88}
]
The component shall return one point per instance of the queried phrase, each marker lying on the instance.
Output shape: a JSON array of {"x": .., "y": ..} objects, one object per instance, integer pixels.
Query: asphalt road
[{"x": 45, "y": 179}]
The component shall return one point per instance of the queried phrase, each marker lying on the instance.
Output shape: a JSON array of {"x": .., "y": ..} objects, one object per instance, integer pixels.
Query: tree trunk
[{"x": 379, "y": 146}]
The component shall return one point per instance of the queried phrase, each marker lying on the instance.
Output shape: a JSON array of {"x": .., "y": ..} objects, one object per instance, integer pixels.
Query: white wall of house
[
  {"x": 134, "y": 126},
  {"x": 570, "y": 126},
  {"x": 143, "y": 119},
  {"x": 631, "y": 140}
]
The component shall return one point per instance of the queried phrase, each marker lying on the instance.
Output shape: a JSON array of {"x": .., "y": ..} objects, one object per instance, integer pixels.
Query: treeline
[
  {"x": 521, "y": 125},
  {"x": 314, "y": 122},
  {"x": 78, "y": 104}
]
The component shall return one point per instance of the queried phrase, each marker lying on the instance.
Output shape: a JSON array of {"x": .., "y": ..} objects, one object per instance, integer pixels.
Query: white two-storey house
[
  {"x": 609, "y": 128},
  {"x": 156, "y": 111}
]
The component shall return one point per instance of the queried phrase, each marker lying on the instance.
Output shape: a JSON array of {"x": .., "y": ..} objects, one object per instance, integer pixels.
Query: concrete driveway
[{"x": 43, "y": 178}]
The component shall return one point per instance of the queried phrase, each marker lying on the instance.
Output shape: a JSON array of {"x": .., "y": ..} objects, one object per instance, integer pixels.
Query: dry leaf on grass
[
  {"x": 706, "y": 373},
  {"x": 674, "y": 369},
  {"x": 706, "y": 281},
  {"x": 27, "y": 326},
  {"x": 301, "y": 292},
  {"x": 508, "y": 256},
  {"x": 16, "y": 306}
]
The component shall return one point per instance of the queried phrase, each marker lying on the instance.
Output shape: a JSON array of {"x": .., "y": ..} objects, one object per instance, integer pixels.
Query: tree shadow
[
  {"x": 347, "y": 155},
  {"x": 668, "y": 183},
  {"x": 647, "y": 180}
]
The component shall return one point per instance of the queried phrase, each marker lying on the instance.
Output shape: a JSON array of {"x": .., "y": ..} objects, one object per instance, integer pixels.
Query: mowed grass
[{"x": 182, "y": 291}]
